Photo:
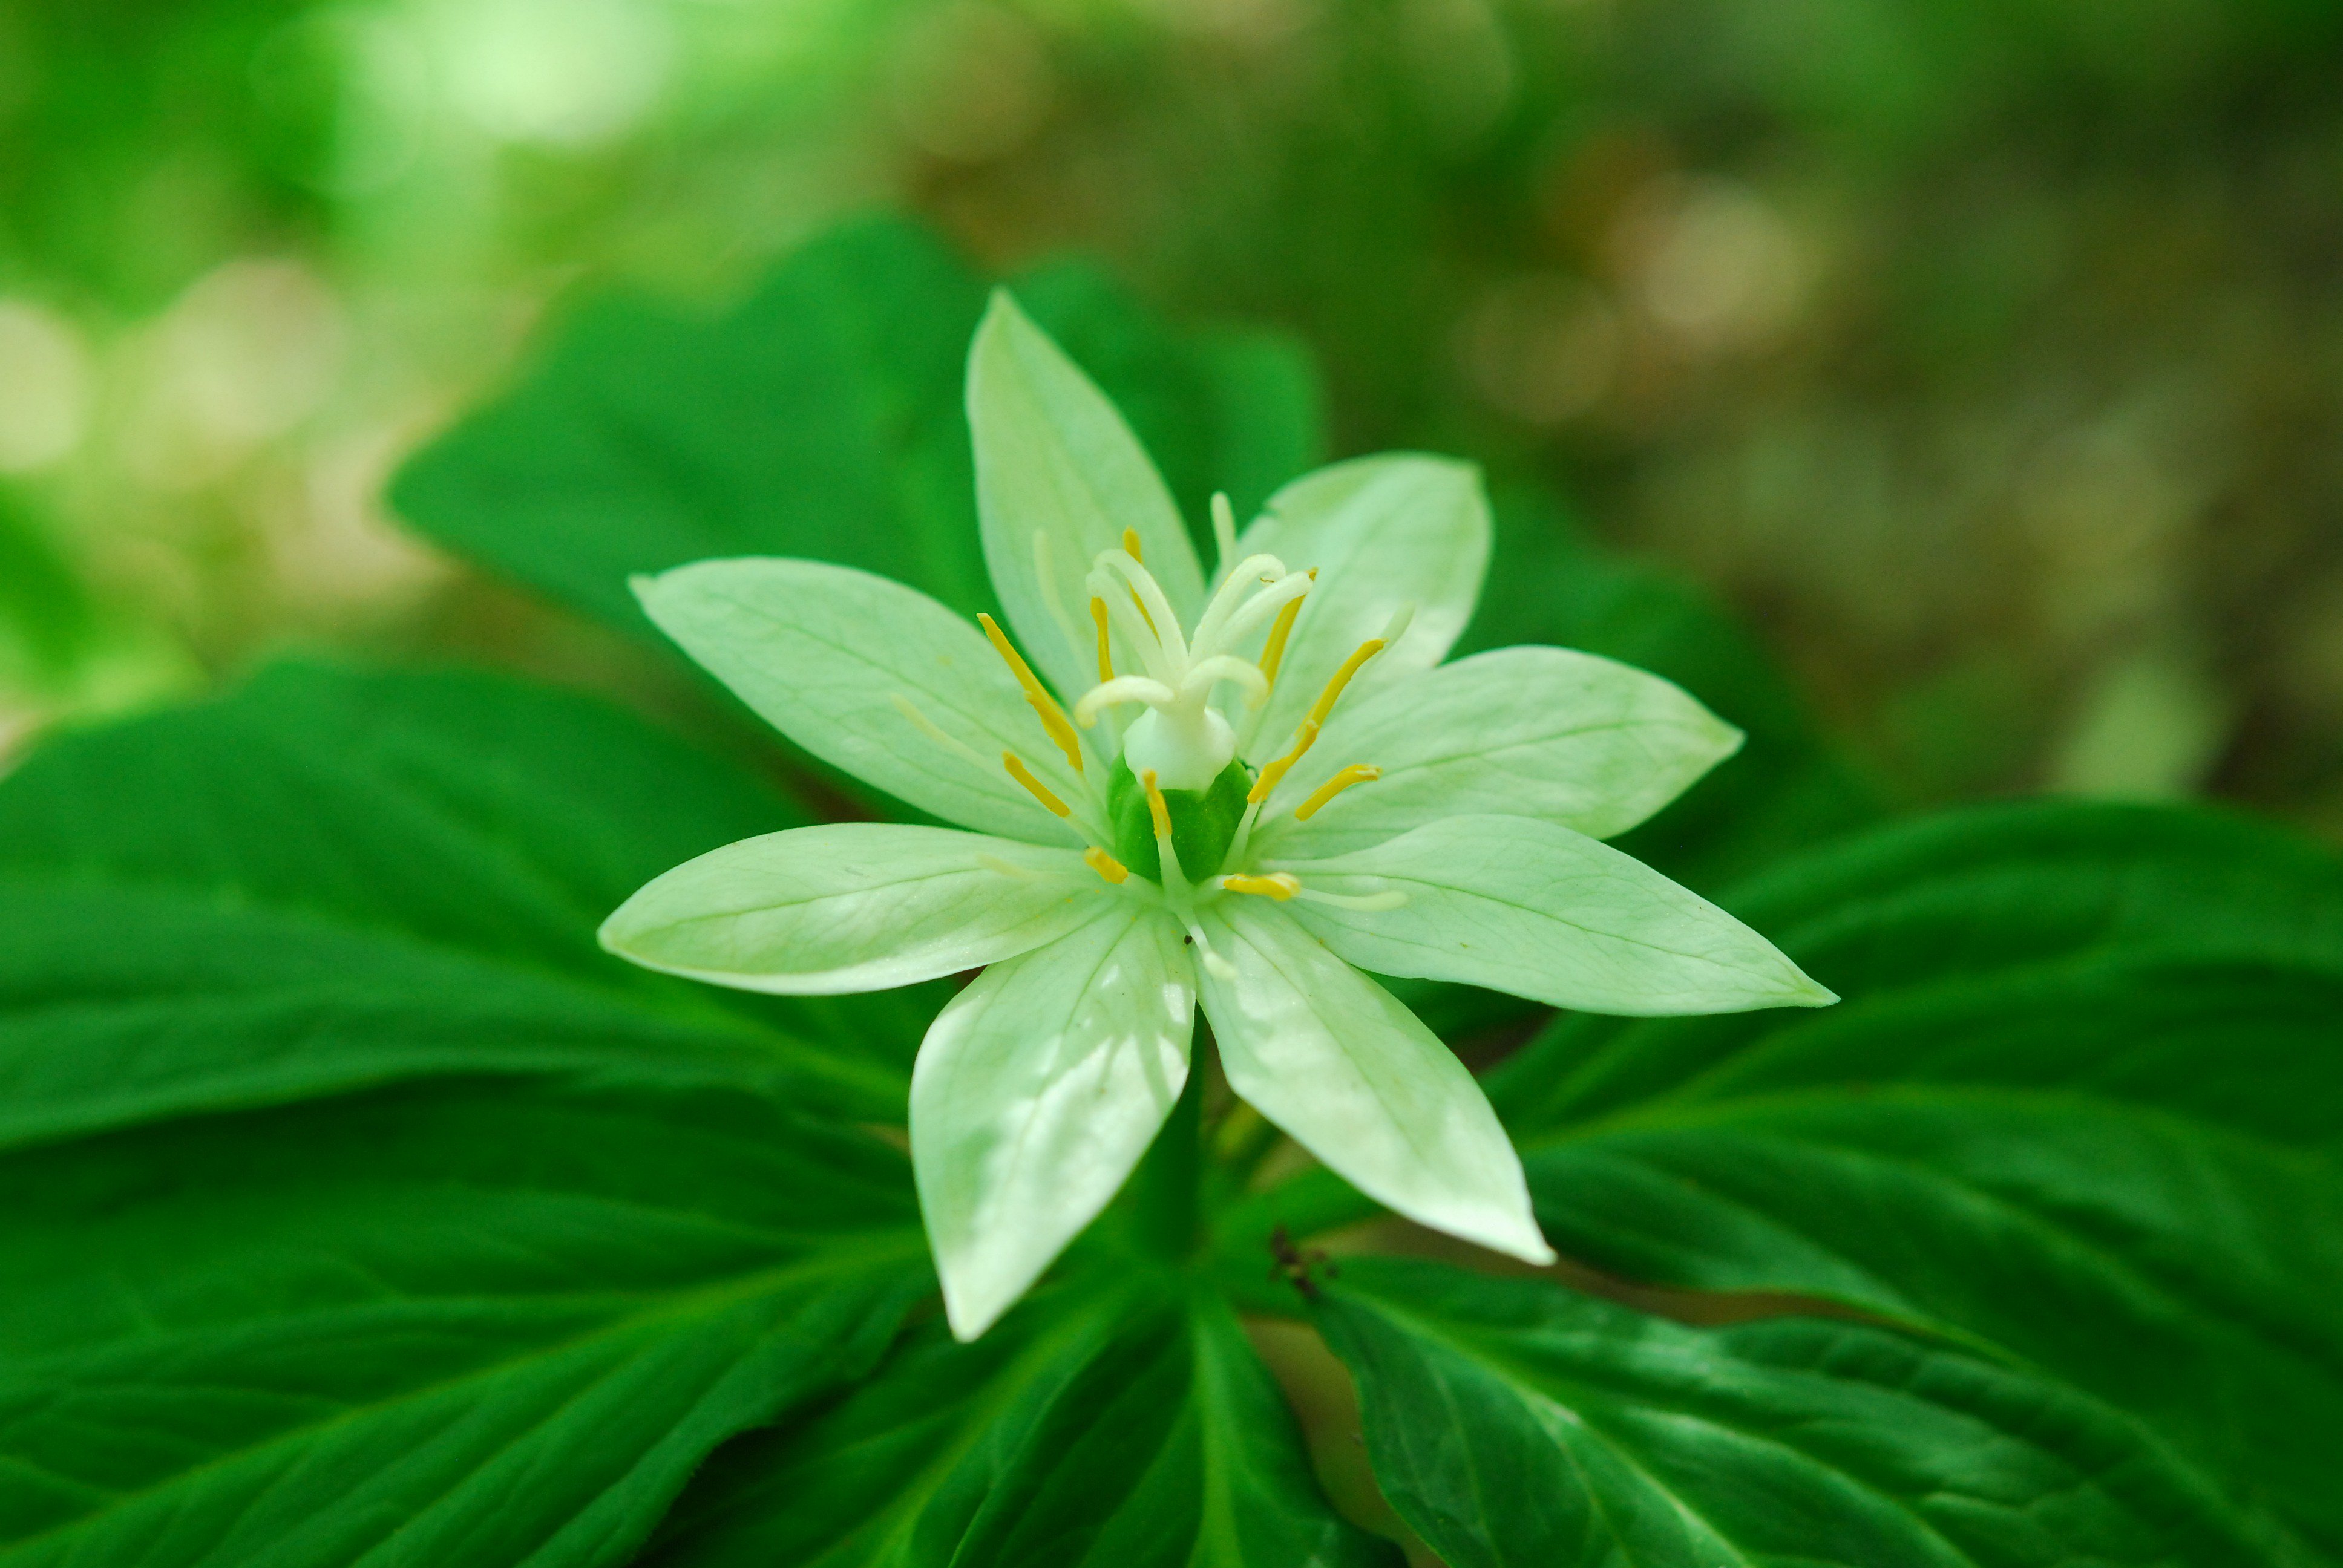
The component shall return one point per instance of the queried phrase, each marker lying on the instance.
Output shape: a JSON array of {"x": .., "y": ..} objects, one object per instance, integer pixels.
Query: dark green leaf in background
[
  {"x": 357, "y": 1210},
  {"x": 1517, "y": 1425},
  {"x": 2077, "y": 1107},
  {"x": 125, "y": 1006},
  {"x": 821, "y": 418},
  {"x": 452, "y": 808},
  {"x": 1098, "y": 1429},
  {"x": 453, "y": 805},
  {"x": 468, "y": 1328}
]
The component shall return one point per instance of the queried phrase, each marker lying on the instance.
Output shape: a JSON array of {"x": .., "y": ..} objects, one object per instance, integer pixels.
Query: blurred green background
[{"x": 1986, "y": 355}]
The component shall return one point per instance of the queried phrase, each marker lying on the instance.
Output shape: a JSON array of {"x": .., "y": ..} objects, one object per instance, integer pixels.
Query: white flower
[{"x": 1229, "y": 791}]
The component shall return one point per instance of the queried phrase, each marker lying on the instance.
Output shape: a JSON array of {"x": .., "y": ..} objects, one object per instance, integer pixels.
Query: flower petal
[
  {"x": 1534, "y": 909},
  {"x": 1540, "y": 732},
  {"x": 1383, "y": 532},
  {"x": 1357, "y": 1079},
  {"x": 848, "y": 664},
  {"x": 852, "y": 906},
  {"x": 1054, "y": 458},
  {"x": 1035, "y": 1092}
]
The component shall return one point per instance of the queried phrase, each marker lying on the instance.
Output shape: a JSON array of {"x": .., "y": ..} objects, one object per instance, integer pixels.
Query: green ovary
[{"x": 1203, "y": 821}]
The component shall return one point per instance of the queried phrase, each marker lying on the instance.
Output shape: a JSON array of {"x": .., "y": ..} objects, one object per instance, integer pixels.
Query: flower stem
[{"x": 1163, "y": 1191}]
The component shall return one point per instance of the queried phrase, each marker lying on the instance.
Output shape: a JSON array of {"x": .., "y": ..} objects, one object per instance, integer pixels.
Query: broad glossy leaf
[
  {"x": 1995, "y": 911},
  {"x": 1089, "y": 1429},
  {"x": 468, "y": 1328},
  {"x": 465, "y": 806},
  {"x": 822, "y": 418},
  {"x": 1514, "y": 1423},
  {"x": 466, "y": 810},
  {"x": 125, "y": 1006},
  {"x": 2080, "y": 1105}
]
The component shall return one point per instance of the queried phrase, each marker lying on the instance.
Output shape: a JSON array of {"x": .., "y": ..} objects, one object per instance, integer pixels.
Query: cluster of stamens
[{"x": 1182, "y": 741}]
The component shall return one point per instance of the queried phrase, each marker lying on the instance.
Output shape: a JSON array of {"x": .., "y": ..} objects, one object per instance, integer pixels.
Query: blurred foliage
[{"x": 1985, "y": 357}]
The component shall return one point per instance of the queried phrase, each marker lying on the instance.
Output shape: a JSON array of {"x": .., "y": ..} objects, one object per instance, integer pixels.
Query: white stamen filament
[
  {"x": 1159, "y": 608},
  {"x": 1122, "y": 689},
  {"x": 1123, "y": 612},
  {"x": 1261, "y": 608},
  {"x": 1224, "y": 530},
  {"x": 1207, "y": 673},
  {"x": 1186, "y": 741},
  {"x": 1225, "y": 602}
]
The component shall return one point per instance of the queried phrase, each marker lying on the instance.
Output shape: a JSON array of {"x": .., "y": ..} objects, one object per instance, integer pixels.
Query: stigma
[{"x": 1182, "y": 738}]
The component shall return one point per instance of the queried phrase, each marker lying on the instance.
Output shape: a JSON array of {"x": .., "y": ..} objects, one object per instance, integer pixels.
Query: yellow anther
[
  {"x": 1041, "y": 791},
  {"x": 1155, "y": 806},
  {"x": 1359, "y": 656},
  {"x": 1106, "y": 660},
  {"x": 1270, "y": 776},
  {"x": 1053, "y": 718},
  {"x": 1273, "y": 654},
  {"x": 1143, "y": 611},
  {"x": 1279, "y": 885},
  {"x": 1115, "y": 872},
  {"x": 1130, "y": 546},
  {"x": 1356, "y": 773}
]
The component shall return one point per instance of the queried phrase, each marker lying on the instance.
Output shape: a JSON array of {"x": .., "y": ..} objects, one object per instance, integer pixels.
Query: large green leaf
[
  {"x": 2080, "y": 1105},
  {"x": 461, "y": 810},
  {"x": 125, "y": 1006},
  {"x": 821, "y": 418},
  {"x": 468, "y": 1328},
  {"x": 461, "y": 806},
  {"x": 1107, "y": 1427},
  {"x": 1512, "y": 1421}
]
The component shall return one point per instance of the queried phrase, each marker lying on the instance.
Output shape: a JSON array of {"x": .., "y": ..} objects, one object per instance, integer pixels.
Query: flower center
[
  {"x": 1179, "y": 807},
  {"x": 1181, "y": 738}
]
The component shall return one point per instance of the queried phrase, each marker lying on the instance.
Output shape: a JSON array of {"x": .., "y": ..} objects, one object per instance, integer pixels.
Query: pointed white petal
[
  {"x": 1054, "y": 458},
  {"x": 1539, "y": 911},
  {"x": 855, "y": 668},
  {"x": 1357, "y": 1079},
  {"x": 1384, "y": 532},
  {"x": 853, "y": 906},
  {"x": 1542, "y": 732},
  {"x": 1035, "y": 1094}
]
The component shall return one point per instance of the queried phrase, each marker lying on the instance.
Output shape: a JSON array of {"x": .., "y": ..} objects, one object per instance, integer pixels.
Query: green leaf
[
  {"x": 125, "y": 1006},
  {"x": 469, "y": 1328},
  {"x": 1512, "y": 1421},
  {"x": 822, "y": 418},
  {"x": 1997, "y": 908},
  {"x": 463, "y": 807},
  {"x": 465, "y": 810},
  {"x": 2078, "y": 1107},
  {"x": 1090, "y": 1429}
]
